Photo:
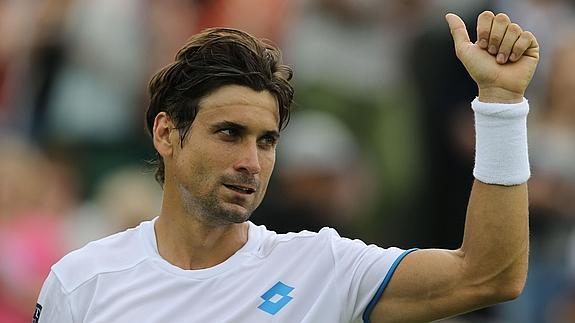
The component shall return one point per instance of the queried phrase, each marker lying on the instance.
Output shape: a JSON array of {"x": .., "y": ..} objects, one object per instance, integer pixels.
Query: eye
[
  {"x": 229, "y": 132},
  {"x": 268, "y": 141}
]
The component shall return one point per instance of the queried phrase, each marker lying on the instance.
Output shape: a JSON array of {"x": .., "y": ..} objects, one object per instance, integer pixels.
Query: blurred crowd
[{"x": 380, "y": 145}]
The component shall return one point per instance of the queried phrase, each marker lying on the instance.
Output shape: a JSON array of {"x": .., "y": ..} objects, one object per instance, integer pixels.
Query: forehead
[{"x": 235, "y": 101}]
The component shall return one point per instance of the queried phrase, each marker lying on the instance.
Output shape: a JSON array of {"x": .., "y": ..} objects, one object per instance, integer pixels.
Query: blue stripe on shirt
[{"x": 383, "y": 285}]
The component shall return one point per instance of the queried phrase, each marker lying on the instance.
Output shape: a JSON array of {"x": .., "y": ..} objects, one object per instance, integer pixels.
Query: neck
[{"x": 186, "y": 242}]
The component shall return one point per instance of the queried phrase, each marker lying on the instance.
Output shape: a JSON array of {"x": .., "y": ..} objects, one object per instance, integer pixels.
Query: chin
[
  {"x": 229, "y": 215},
  {"x": 238, "y": 217},
  {"x": 227, "y": 219}
]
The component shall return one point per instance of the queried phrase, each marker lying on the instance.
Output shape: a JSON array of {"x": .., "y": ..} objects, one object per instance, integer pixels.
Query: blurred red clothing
[{"x": 264, "y": 19}]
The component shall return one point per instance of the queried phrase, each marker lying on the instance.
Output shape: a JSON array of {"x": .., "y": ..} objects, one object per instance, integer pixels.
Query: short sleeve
[
  {"x": 363, "y": 272},
  {"x": 53, "y": 303}
]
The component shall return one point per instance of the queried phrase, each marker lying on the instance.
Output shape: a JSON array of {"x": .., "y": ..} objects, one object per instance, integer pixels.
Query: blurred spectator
[
  {"x": 169, "y": 23},
  {"x": 97, "y": 91},
  {"x": 321, "y": 178},
  {"x": 16, "y": 31},
  {"x": 447, "y": 131},
  {"x": 34, "y": 195},
  {"x": 353, "y": 46},
  {"x": 124, "y": 198},
  {"x": 264, "y": 19},
  {"x": 556, "y": 189},
  {"x": 86, "y": 83},
  {"x": 47, "y": 55}
]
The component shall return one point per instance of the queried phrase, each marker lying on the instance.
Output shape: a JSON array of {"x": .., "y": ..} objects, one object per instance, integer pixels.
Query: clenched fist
[{"x": 502, "y": 60}]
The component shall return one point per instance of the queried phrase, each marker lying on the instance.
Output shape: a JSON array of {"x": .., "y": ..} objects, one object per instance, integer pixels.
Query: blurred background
[{"x": 380, "y": 145}]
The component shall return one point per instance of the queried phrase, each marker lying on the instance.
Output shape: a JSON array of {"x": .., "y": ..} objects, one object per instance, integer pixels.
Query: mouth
[{"x": 240, "y": 188}]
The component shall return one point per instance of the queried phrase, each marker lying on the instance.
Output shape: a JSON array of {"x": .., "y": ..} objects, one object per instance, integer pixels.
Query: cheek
[
  {"x": 267, "y": 161},
  {"x": 193, "y": 169},
  {"x": 267, "y": 165}
]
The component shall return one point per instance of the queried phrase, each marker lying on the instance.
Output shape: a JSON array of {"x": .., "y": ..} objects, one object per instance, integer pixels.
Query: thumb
[{"x": 458, "y": 29}]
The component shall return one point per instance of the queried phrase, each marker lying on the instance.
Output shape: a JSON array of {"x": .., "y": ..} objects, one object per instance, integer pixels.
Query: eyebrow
[
  {"x": 241, "y": 128},
  {"x": 228, "y": 124}
]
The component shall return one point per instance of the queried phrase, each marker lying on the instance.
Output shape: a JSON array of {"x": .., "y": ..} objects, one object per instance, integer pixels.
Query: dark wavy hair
[{"x": 208, "y": 61}]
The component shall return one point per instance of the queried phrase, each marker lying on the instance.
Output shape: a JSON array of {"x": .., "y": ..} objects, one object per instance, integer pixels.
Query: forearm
[{"x": 496, "y": 240}]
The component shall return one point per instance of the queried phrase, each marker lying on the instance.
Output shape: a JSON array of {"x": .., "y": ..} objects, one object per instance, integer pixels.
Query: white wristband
[{"x": 501, "y": 142}]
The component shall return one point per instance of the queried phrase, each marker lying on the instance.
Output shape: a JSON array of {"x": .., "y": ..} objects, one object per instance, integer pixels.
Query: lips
[{"x": 240, "y": 188}]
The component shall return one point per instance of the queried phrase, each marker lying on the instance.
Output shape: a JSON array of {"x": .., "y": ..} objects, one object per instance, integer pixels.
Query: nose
[{"x": 248, "y": 159}]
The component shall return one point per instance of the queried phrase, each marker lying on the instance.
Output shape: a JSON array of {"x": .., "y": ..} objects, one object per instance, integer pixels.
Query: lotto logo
[{"x": 276, "y": 298}]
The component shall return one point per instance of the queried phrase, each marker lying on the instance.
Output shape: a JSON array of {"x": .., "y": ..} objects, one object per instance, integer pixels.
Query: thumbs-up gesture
[{"x": 502, "y": 60}]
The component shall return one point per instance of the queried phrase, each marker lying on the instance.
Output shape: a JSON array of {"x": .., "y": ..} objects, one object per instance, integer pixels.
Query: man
[{"x": 215, "y": 116}]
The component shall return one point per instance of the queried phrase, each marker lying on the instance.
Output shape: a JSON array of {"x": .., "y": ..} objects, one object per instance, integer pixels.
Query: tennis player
[{"x": 215, "y": 116}]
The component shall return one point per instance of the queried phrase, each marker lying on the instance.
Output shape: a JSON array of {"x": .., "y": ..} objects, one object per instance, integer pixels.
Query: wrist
[
  {"x": 499, "y": 95},
  {"x": 501, "y": 151}
]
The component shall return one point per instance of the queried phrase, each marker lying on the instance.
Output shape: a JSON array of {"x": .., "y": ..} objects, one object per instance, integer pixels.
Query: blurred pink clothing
[{"x": 29, "y": 245}]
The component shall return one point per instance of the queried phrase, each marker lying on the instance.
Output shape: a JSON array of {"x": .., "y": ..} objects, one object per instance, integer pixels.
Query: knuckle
[
  {"x": 494, "y": 39},
  {"x": 504, "y": 50},
  {"x": 520, "y": 43},
  {"x": 483, "y": 35},
  {"x": 514, "y": 28},
  {"x": 520, "y": 46}
]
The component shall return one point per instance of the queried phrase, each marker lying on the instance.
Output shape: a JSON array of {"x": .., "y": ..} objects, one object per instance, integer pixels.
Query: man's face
[{"x": 222, "y": 171}]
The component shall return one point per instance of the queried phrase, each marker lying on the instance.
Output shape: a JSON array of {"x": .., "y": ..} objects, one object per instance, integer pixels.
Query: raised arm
[{"x": 491, "y": 264}]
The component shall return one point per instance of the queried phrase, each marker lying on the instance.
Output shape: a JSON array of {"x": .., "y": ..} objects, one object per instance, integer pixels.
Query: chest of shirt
[{"x": 253, "y": 292}]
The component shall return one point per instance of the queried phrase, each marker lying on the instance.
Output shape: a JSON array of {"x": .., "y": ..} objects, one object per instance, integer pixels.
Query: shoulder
[
  {"x": 303, "y": 240},
  {"x": 327, "y": 241},
  {"x": 114, "y": 253}
]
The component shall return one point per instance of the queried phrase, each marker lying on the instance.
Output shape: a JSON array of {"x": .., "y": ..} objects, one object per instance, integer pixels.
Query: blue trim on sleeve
[{"x": 383, "y": 285}]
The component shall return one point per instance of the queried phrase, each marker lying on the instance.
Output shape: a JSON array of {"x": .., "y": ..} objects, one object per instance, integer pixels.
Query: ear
[{"x": 163, "y": 137}]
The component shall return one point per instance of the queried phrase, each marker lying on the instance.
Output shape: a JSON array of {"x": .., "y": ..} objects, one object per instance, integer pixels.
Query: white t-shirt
[{"x": 295, "y": 277}]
